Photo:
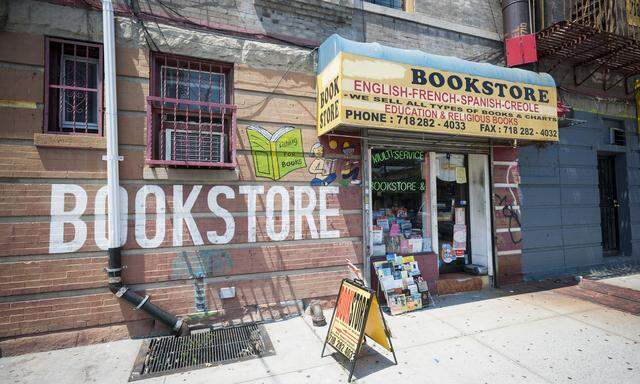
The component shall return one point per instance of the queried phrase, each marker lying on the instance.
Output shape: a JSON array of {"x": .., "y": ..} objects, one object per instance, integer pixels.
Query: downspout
[
  {"x": 114, "y": 269},
  {"x": 516, "y": 18}
]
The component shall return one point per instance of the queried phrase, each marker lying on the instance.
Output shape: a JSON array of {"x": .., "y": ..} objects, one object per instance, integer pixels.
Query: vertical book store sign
[{"x": 356, "y": 315}]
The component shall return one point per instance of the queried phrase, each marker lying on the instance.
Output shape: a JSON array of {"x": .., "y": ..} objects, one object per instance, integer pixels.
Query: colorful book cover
[
  {"x": 384, "y": 224},
  {"x": 276, "y": 155},
  {"x": 395, "y": 229},
  {"x": 407, "y": 259}
]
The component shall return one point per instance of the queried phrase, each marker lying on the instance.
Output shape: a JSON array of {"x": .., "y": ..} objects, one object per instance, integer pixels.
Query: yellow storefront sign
[{"x": 360, "y": 91}]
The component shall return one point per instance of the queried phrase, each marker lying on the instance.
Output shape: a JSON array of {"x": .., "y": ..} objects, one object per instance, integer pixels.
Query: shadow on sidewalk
[{"x": 370, "y": 361}]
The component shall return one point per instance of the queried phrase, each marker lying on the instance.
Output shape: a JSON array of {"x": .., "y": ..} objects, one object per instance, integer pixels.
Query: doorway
[
  {"x": 609, "y": 205},
  {"x": 452, "y": 194}
]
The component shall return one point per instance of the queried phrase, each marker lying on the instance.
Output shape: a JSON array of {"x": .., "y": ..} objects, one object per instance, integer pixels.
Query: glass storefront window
[
  {"x": 399, "y": 195},
  {"x": 401, "y": 213}
]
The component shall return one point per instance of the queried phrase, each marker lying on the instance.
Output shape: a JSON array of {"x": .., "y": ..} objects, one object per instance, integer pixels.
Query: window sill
[
  {"x": 190, "y": 164},
  {"x": 52, "y": 140}
]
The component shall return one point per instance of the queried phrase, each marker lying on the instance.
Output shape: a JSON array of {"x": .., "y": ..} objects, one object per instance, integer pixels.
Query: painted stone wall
[{"x": 561, "y": 197}]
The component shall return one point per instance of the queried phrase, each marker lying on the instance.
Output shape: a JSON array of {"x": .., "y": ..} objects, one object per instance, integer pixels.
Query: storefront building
[
  {"x": 439, "y": 159},
  {"x": 255, "y": 162}
]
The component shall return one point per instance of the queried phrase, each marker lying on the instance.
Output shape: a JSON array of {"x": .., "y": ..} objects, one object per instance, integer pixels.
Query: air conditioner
[{"x": 193, "y": 145}]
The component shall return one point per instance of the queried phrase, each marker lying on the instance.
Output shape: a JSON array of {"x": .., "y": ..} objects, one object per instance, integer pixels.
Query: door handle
[{"x": 616, "y": 204}]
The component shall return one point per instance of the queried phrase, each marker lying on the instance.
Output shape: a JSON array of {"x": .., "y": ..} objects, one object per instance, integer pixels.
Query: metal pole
[{"x": 111, "y": 123}]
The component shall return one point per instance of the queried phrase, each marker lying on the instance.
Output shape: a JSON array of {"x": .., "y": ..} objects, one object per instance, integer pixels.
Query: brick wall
[
  {"x": 44, "y": 293},
  {"x": 507, "y": 215}
]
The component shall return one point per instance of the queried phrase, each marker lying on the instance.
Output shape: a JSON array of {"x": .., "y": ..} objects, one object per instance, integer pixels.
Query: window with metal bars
[
  {"x": 190, "y": 113},
  {"x": 73, "y": 90},
  {"x": 397, "y": 4}
]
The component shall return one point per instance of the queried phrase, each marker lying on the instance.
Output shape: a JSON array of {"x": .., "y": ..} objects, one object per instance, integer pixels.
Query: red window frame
[
  {"x": 197, "y": 116},
  {"x": 55, "y": 87}
]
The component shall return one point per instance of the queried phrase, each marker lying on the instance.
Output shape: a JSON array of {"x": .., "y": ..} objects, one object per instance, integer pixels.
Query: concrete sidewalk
[
  {"x": 491, "y": 336},
  {"x": 630, "y": 281}
]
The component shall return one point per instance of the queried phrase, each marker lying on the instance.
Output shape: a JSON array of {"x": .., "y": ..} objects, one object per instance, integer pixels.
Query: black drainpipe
[{"x": 114, "y": 271}]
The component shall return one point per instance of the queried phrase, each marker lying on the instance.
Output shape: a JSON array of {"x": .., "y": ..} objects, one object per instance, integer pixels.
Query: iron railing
[
  {"x": 191, "y": 123},
  {"x": 190, "y": 133},
  {"x": 73, "y": 91}
]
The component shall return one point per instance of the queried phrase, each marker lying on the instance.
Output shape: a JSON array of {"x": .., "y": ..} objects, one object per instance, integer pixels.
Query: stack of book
[{"x": 400, "y": 279}]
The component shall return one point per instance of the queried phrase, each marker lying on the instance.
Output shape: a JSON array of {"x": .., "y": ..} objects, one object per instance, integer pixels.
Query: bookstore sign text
[
  {"x": 78, "y": 220},
  {"x": 360, "y": 91}
]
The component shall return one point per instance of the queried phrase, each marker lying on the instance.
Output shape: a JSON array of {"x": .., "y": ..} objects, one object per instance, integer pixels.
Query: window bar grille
[
  {"x": 209, "y": 109},
  {"x": 69, "y": 91},
  {"x": 186, "y": 121},
  {"x": 175, "y": 111},
  {"x": 99, "y": 84},
  {"x": 189, "y": 138},
  {"x": 75, "y": 84},
  {"x": 60, "y": 80},
  {"x": 222, "y": 110},
  {"x": 200, "y": 109},
  {"x": 163, "y": 137},
  {"x": 210, "y": 89},
  {"x": 86, "y": 84}
]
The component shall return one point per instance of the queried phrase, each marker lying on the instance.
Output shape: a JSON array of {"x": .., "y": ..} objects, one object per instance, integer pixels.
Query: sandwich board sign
[{"x": 357, "y": 314}]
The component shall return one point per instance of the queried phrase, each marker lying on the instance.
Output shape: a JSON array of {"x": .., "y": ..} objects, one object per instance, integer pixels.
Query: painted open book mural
[{"x": 278, "y": 154}]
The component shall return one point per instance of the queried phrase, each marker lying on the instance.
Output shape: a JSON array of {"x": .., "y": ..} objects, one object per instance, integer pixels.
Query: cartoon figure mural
[
  {"x": 323, "y": 170},
  {"x": 278, "y": 154},
  {"x": 350, "y": 169}
]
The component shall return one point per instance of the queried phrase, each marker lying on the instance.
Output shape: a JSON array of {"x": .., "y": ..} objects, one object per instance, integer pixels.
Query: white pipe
[{"x": 111, "y": 123}]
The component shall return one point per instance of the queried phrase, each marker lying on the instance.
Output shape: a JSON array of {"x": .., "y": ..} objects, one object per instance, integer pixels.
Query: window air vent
[{"x": 617, "y": 137}]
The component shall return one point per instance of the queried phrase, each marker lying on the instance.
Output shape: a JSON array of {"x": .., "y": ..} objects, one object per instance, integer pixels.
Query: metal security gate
[
  {"x": 169, "y": 354},
  {"x": 608, "y": 205}
]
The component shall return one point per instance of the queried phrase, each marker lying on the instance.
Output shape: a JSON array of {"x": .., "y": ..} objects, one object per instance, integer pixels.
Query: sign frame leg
[
  {"x": 333, "y": 316},
  {"x": 360, "y": 342},
  {"x": 387, "y": 333}
]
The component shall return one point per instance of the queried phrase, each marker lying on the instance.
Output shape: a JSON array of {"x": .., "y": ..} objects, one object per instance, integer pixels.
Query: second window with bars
[{"x": 190, "y": 113}]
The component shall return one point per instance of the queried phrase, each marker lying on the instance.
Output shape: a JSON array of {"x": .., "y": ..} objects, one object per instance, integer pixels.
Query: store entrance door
[{"x": 452, "y": 192}]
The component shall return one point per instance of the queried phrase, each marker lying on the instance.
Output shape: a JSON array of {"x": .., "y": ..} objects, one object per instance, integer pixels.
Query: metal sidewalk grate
[{"x": 169, "y": 354}]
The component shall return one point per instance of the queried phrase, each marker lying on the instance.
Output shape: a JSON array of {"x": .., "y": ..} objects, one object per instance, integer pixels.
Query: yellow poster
[
  {"x": 461, "y": 175},
  {"x": 360, "y": 91}
]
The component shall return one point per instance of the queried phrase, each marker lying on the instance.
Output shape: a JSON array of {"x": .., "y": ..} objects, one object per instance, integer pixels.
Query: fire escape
[{"x": 600, "y": 35}]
